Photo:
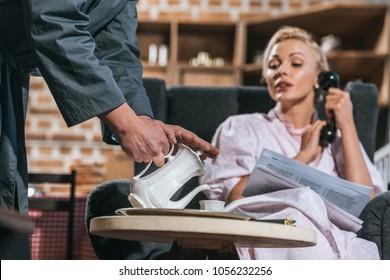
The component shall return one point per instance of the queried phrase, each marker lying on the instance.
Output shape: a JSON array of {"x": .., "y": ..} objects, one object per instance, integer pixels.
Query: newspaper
[{"x": 344, "y": 200}]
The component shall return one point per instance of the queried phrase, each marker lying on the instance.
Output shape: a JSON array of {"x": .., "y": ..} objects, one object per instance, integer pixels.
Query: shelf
[
  {"x": 216, "y": 40},
  {"x": 152, "y": 33},
  {"x": 146, "y": 65},
  {"x": 360, "y": 27},
  {"x": 225, "y": 68},
  {"x": 155, "y": 71},
  {"x": 369, "y": 69},
  {"x": 208, "y": 76},
  {"x": 363, "y": 30},
  {"x": 251, "y": 67}
]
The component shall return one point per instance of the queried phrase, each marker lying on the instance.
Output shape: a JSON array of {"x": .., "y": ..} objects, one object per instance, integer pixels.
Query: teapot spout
[{"x": 183, "y": 202}]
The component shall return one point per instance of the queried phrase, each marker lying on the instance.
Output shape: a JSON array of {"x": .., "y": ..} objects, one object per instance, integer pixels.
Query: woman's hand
[
  {"x": 338, "y": 104},
  {"x": 310, "y": 147}
]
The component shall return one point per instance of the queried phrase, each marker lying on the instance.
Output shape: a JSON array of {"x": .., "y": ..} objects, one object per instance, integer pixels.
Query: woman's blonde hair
[{"x": 290, "y": 32}]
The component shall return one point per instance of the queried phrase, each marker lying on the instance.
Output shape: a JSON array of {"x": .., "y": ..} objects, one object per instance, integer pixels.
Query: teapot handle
[{"x": 168, "y": 156}]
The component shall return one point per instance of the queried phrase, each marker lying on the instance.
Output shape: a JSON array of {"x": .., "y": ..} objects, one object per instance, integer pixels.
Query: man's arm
[
  {"x": 64, "y": 50},
  {"x": 88, "y": 82}
]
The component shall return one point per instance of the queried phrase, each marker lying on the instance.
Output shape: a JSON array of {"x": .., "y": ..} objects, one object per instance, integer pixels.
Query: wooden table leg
[{"x": 188, "y": 249}]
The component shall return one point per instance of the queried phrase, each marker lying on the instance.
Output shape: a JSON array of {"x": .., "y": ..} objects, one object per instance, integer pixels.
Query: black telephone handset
[{"x": 326, "y": 80}]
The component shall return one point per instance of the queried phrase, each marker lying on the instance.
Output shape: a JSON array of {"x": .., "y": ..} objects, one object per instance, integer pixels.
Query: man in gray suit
[{"x": 88, "y": 53}]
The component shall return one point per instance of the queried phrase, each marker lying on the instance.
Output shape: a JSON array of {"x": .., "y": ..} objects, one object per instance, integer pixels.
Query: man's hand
[
  {"x": 177, "y": 134},
  {"x": 141, "y": 138},
  {"x": 144, "y": 139}
]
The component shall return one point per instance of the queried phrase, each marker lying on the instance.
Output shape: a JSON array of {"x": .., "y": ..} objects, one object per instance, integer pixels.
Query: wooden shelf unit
[
  {"x": 185, "y": 40},
  {"x": 362, "y": 28}
]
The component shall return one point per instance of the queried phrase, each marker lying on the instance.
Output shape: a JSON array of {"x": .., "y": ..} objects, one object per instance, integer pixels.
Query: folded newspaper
[{"x": 344, "y": 200}]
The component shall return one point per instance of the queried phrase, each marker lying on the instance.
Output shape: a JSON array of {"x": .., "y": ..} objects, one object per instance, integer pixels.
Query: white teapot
[{"x": 156, "y": 189}]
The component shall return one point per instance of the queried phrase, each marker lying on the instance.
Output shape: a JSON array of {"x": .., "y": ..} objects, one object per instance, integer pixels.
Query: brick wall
[{"x": 53, "y": 147}]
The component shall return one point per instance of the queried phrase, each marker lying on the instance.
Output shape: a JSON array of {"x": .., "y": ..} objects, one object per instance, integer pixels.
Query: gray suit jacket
[{"x": 88, "y": 53}]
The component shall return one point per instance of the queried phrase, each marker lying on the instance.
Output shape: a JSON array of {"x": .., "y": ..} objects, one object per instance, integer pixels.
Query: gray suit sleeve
[{"x": 88, "y": 74}]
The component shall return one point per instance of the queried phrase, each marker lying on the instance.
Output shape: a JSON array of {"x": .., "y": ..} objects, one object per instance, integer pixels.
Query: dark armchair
[{"x": 201, "y": 110}]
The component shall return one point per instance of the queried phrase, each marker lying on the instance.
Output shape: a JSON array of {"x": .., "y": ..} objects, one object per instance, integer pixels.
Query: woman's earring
[{"x": 318, "y": 94}]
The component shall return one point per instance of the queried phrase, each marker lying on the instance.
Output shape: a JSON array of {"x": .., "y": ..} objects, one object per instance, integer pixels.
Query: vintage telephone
[{"x": 326, "y": 80}]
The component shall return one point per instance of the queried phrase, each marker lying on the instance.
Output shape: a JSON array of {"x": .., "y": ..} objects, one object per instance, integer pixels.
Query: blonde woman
[{"x": 292, "y": 62}]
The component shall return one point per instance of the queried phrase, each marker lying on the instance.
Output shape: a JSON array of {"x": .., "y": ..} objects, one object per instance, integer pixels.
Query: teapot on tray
[{"x": 156, "y": 189}]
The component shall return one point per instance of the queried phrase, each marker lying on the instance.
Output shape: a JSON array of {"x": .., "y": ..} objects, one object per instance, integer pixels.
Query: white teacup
[{"x": 212, "y": 205}]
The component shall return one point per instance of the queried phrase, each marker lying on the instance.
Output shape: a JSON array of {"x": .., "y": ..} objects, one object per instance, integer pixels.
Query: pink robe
[{"x": 240, "y": 140}]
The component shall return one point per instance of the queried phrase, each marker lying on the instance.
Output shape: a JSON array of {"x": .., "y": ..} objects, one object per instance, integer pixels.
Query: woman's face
[{"x": 292, "y": 72}]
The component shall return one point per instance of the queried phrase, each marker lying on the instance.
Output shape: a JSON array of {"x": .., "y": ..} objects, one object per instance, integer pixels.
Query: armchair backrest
[
  {"x": 157, "y": 93},
  {"x": 364, "y": 97},
  {"x": 201, "y": 109}
]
